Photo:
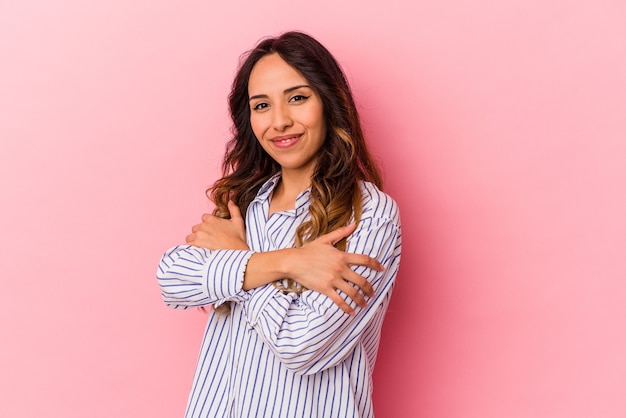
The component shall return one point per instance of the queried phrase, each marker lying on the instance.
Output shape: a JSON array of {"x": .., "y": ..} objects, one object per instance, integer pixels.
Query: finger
[
  {"x": 338, "y": 300},
  {"x": 364, "y": 260},
  {"x": 207, "y": 217},
  {"x": 190, "y": 238},
  {"x": 360, "y": 281},
  {"x": 235, "y": 213},
  {"x": 338, "y": 234},
  {"x": 352, "y": 293}
]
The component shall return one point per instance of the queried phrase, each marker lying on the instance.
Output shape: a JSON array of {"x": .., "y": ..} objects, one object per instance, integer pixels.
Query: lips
[{"x": 285, "y": 141}]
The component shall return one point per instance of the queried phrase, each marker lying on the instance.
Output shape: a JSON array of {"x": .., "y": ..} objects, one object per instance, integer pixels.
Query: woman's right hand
[
  {"x": 216, "y": 233},
  {"x": 321, "y": 267}
]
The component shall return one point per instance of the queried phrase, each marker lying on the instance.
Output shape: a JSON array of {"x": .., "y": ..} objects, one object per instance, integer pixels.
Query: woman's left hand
[{"x": 216, "y": 233}]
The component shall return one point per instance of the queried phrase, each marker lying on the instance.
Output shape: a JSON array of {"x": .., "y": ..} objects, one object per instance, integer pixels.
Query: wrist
[
  {"x": 266, "y": 267},
  {"x": 286, "y": 262}
]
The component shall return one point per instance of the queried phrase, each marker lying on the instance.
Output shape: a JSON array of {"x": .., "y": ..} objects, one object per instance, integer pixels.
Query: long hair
[{"x": 343, "y": 160}]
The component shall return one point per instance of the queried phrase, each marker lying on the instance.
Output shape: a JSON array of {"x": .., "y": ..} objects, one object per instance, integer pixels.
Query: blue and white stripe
[{"x": 284, "y": 355}]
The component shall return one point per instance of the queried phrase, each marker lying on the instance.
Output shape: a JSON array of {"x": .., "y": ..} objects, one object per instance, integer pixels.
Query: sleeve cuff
[
  {"x": 225, "y": 273},
  {"x": 268, "y": 295}
]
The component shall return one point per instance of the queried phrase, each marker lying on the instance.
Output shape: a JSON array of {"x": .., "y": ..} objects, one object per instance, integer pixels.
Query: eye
[
  {"x": 260, "y": 106},
  {"x": 299, "y": 98}
]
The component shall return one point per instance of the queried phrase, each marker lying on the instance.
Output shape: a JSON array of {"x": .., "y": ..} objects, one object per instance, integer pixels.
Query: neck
[
  {"x": 293, "y": 183},
  {"x": 285, "y": 194}
]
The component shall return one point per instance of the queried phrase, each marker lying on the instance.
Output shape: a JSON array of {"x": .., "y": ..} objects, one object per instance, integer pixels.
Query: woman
[{"x": 301, "y": 284}]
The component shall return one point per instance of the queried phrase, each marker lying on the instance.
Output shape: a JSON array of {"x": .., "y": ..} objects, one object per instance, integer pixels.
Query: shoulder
[{"x": 377, "y": 204}]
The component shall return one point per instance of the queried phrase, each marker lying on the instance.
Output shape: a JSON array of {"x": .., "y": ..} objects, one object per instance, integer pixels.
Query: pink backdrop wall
[{"x": 501, "y": 129}]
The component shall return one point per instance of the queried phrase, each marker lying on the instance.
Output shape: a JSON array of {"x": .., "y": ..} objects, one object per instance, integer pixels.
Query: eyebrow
[{"x": 289, "y": 90}]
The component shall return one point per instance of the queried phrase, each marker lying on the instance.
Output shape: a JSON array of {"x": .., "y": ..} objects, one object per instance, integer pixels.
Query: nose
[{"x": 281, "y": 119}]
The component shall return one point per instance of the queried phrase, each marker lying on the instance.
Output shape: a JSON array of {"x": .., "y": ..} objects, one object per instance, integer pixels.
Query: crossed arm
[
  {"x": 308, "y": 333},
  {"x": 317, "y": 265}
]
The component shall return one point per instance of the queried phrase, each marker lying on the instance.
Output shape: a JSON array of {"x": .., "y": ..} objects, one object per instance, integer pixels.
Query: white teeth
[{"x": 286, "y": 140}]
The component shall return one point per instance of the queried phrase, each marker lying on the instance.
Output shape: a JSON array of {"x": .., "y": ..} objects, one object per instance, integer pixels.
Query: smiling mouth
[{"x": 286, "y": 141}]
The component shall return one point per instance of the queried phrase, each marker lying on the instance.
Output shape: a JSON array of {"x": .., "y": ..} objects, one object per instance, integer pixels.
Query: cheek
[
  {"x": 320, "y": 124},
  {"x": 258, "y": 130},
  {"x": 323, "y": 129},
  {"x": 317, "y": 120},
  {"x": 256, "y": 126}
]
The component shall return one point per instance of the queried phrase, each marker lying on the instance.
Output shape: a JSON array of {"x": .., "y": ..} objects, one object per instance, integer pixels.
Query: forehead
[{"x": 272, "y": 73}]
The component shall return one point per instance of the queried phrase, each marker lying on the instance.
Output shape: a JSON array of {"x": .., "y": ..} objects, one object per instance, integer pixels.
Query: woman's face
[{"x": 286, "y": 115}]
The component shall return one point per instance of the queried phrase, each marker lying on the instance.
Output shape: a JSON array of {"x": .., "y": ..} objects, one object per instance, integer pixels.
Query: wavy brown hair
[{"x": 343, "y": 160}]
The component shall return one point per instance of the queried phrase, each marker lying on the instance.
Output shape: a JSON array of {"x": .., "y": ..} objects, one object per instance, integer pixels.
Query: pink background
[{"x": 501, "y": 126}]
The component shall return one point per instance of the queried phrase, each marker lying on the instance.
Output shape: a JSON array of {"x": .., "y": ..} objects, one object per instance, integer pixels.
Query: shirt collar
[
  {"x": 302, "y": 201},
  {"x": 266, "y": 189}
]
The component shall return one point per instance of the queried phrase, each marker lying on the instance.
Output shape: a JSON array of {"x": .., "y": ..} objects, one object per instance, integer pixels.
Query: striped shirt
[{"x": 276, "y": 354}]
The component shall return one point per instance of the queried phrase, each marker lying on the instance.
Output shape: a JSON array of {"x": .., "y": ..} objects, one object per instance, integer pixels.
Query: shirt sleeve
[
  {"x": 310, "y": 333},
  {"x": 191, "y": 276}
]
